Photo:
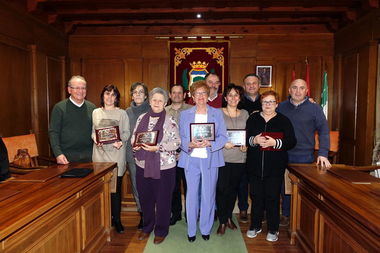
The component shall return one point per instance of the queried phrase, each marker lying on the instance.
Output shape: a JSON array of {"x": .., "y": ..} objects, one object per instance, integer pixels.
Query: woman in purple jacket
[{"x": 201, "y": 159}]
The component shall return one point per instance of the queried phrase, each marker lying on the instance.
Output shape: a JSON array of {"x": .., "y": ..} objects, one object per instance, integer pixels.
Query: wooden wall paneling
[
  {"x": 366, "y": 97},
  {"x": 111, "y": 46},
  {"x": 154, "y": 48},
  {"x": 337, "y": 98},
  {"x": 101, "y": 72},
  {"x": 155, "y": 72},
  {"x": 239, "y": 67},
  {"x": 282, "y": 73},
  {"x": 42, "y": 100},
  {"x": 293, "y": 45},
  {"x": 133, "y": 73},
  {"x": 15, "y": 98},
  {"x": 361, "y": 31},
  {"x": 34, "y": 88},
  {"x": 349, "y": 108},
  {"x": 245, "y": 47},
  {"x": 55, "y": 74},
  {"x": 65, "y": 65},
  {"x": 75, "y": 67}
]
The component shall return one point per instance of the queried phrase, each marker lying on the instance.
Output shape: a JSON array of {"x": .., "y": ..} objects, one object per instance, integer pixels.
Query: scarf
[{"x": 152, "y": 159}]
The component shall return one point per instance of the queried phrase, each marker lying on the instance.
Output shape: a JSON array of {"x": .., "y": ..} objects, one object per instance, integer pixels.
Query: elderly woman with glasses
[
  {"x": 110, "y": 115},
  {"x": 201, "y": 158},
  {"x": 139, "y": 105},
  {"x": 156, "y": 163},
  {"x": 269, "y": 134}
]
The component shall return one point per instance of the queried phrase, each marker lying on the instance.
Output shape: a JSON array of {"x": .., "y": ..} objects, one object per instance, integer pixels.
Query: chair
[
  {"x": 29, "y": 142},
  {"x": 334, "y": 145}
]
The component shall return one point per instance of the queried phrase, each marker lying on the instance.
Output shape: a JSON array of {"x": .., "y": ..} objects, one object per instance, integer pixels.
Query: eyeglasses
[
  {"x": 270, "y": 102},
  {"x": 138, "y": 92},
  {"x": 200, "y": 93},
  {"x": 78, "y": 88}
]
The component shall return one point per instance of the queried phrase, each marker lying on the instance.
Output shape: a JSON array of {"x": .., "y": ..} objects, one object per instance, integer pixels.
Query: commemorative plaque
[
  {"x": 237, "y": 137},
  {"x": 148, "y": 138},
  {"x": 107, "y": 135},
  {"x": 202, "y": 131}
]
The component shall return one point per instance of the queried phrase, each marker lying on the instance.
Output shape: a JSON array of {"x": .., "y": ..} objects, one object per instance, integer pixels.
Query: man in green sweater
[{"x": 71, "y": 125}]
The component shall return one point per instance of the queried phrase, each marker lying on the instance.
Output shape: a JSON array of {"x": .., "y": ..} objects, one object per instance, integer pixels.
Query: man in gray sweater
[{"x": 71, "y": 125}]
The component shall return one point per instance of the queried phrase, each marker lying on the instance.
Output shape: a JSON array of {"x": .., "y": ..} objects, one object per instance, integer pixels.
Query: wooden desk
[
  {"x": 332, "y": 214},
  {"x": 58, "y": 215}
]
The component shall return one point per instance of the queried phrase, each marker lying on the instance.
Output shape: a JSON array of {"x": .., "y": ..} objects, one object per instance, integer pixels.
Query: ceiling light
[{"x": 199, "y": 15}]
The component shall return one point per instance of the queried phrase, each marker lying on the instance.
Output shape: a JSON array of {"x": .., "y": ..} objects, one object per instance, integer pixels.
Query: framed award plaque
[
  {"x": 148, "y": 138},
  {"x": 107, "y": 135},
  {"x": 202, "y": 131},
  {"x": 237, "y": 137}
]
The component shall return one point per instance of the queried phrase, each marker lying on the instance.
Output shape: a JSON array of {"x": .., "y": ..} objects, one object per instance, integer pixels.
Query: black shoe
[
  {"x": 206, "y": 237},
  {"x": 173, "y": 220},
  {"x": 191, "y": 238},
  {"x": 119, "y": 227}
]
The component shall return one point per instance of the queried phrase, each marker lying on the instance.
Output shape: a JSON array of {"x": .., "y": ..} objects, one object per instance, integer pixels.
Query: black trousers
[
  {"x": 227, "y": 188},
  {"x": 266, "y": 196},
  {"x": 116, "y": 201},
  {"x": 176, "y": 198}
]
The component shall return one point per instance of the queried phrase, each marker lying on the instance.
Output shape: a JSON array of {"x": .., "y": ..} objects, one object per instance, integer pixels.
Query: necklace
[{"x": 234, "y": 123}]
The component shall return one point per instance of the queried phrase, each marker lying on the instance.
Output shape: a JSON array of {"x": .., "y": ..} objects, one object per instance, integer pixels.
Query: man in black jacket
[
  {"x": 4, "y": 162},
  {"x": 251, "y": 103},
  {"x": 251, "y": 100}
]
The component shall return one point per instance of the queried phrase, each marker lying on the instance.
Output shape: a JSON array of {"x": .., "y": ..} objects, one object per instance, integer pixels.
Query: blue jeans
[{"x": 286, "y": 197}]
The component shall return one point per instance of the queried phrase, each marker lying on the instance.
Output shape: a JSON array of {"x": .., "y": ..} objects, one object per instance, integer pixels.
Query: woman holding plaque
[
  {"x": 155, "y": 140},
  {"x": 139, "y": 105},
  {"x": 269, "y": 134},
  {"x": 110, "y": 132},
  {"x": 234, "y": 152},
  {"x": 201, "y": 158}
]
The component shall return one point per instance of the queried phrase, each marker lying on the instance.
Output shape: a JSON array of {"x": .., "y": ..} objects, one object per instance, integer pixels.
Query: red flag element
[
  {"x": 293, "y": 75},
  {"x": 307, "y": 77}
]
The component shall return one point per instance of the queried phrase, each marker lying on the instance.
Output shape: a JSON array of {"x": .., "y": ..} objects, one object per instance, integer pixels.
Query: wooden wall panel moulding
[
  {"x": 13, "y": 42},
  {"x": 200, "y": 30}
]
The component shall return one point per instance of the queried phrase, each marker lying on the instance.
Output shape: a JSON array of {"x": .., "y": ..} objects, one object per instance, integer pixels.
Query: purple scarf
[{"x": 152, "y": 159}]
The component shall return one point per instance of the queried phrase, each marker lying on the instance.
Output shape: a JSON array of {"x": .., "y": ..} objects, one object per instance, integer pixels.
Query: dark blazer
[{"x": 264, "y": 163}]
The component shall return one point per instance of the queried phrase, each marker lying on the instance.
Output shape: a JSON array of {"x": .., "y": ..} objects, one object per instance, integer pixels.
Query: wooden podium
[
  {"x": 41, "y": 212},
  {"x": 334, "y": 211}
]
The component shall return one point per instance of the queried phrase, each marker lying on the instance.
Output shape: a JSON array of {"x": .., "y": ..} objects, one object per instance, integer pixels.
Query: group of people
[{"x": 213, "y": 172}]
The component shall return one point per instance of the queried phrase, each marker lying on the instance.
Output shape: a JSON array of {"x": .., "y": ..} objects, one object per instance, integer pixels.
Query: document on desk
[{"x": 354, "y": 176}]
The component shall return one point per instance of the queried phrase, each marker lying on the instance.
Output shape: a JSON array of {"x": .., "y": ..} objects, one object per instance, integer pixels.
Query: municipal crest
[{"x": 198, "y": 71}]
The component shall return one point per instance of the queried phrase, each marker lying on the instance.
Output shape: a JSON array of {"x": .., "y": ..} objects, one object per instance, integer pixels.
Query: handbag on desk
[{"x": 22, "y": 159}]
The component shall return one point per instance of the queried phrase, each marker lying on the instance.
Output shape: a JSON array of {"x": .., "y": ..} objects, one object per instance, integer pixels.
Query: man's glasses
[{"x": 78, "y": 88}]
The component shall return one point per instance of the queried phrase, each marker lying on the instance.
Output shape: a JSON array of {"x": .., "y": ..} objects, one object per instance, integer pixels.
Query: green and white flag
[{"x": 325, "y": 94}]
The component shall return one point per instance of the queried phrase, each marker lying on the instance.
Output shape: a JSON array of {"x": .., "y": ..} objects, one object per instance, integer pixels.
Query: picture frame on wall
[{"x": 265, "y": 74}]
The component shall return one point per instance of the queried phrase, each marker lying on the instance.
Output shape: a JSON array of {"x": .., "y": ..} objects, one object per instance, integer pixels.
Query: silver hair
[
  {"x": 161, "y": 91},
  {"x": 80, "y": 78}
]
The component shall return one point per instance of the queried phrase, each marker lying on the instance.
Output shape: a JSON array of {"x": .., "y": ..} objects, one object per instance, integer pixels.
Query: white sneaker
[
  {"x": 272, "y": 237},
  {"x": 253, "y": 233}
]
